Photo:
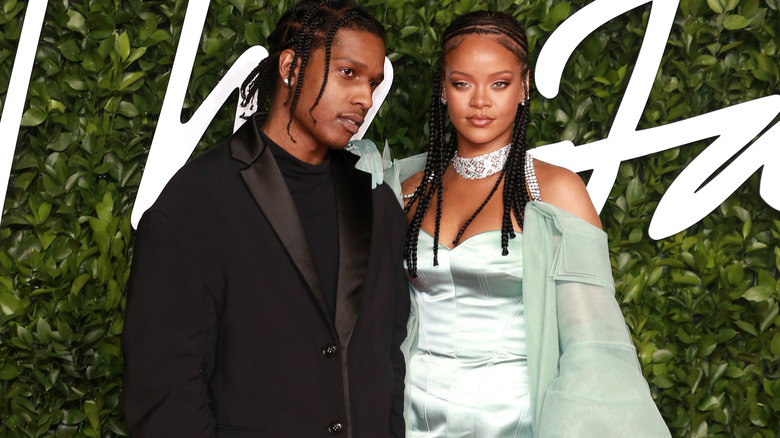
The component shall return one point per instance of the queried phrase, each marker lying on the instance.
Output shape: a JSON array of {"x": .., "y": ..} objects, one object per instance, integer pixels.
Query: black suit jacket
[{"x": 227, "y": 332}]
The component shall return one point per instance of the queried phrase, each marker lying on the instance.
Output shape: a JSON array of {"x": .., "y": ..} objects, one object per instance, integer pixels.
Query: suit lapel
[
  {"x": 353, "y": 200},
  {"x": 266, "y": 183}
]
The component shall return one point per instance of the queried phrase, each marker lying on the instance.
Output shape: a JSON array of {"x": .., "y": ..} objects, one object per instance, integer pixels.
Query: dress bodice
[{"x": 469, "y": 375}]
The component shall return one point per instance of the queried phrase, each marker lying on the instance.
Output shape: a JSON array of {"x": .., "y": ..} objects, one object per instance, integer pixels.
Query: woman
[{"x": 514, "y": 331}]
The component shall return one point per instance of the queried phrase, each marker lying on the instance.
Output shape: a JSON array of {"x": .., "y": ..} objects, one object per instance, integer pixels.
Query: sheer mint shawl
[{"x": 587, "y": 381}]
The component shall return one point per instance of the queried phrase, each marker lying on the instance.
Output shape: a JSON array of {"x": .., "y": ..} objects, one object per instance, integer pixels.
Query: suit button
[
  {"x": 335, "y": 428},
  {"x": 330, "y": 350}
]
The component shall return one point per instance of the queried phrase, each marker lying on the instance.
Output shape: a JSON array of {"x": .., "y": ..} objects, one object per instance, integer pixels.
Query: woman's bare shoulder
[{"x": 564, "y": 189}]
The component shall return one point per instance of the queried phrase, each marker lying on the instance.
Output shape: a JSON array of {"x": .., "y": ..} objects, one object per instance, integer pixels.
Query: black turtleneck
[{"x": 312, "y": 190}]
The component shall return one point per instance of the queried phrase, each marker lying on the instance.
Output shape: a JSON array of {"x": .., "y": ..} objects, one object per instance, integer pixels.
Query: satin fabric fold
[
  {"x": 469, "y": 375},
  {"x": 585, "y": 378}
]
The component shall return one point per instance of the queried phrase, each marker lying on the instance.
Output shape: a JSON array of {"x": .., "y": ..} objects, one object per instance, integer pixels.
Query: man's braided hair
[
  {"x": 309, "y": 25},
  {"x": 508, "y": 32}
]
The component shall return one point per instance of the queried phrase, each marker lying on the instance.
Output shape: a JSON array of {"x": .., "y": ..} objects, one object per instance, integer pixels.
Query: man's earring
[{"x": 287, "y": 82}]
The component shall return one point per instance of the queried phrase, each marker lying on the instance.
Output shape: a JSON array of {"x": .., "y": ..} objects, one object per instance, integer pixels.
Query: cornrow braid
[
  {"x": 433, "y": 174},
  {"x": 309, "y": 25},
  {"x": 303, "y": 47},
  {"x": 510, "y": 33}
]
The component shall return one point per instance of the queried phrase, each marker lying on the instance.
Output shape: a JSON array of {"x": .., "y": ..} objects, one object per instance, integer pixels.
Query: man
[{"x": 267, "y": 297}]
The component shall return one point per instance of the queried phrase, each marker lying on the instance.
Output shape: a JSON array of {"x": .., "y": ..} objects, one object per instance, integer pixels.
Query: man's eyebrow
[{"x": 353, "y": 61}]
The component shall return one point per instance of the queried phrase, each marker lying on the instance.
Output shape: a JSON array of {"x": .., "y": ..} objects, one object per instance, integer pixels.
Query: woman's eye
[
  {"x": 460, "y": 84},
  {"x": 501, "y": 84}
]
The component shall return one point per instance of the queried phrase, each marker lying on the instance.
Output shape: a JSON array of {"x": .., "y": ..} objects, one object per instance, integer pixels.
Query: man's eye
[
  {"x": 373, "y": 84},
  {"x": 347, "y": 72}
]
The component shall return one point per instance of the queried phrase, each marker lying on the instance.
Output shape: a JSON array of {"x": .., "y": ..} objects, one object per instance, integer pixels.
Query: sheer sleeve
[{"x": 587, "y": 379}]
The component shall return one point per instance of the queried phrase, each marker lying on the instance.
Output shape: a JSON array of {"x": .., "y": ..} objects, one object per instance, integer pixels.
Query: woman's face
[{"x": 483, "y": 83}]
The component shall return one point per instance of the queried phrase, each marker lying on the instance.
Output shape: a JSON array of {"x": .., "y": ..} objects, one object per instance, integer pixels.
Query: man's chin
[{"x": 338, "y": 142}]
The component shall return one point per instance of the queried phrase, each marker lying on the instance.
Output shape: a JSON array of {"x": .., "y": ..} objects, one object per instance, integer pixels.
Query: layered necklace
[{"x": 481, "y": 166}]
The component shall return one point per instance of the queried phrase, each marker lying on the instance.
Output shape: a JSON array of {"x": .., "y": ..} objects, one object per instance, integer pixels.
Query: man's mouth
[{"x": 352, "y": 122}]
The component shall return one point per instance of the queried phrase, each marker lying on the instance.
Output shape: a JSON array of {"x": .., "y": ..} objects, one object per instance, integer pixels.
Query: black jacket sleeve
[
  {"x": 168, "y": 337},
  {"x": 400, "y": 319}
]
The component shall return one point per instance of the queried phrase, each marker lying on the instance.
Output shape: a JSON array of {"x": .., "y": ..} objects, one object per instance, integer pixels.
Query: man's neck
[{"x": 304, "y": 148}]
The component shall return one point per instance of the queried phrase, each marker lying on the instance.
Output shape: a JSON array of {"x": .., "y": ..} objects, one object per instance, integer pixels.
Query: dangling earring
[{"x": 443, "y": 97}]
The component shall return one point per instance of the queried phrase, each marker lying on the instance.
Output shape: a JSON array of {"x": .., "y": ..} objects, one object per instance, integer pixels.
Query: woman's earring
[{"x": 443, "y": 99}]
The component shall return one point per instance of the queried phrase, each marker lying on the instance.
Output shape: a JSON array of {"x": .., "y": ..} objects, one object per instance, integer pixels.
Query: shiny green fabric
[
  {"x": 470, "y": 376},
  {"x": 586, "y": 380}
]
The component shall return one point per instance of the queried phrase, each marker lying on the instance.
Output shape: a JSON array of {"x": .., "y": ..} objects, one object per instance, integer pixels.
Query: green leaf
[
  {"x": 558, "y": 13},
  {"x": 91, "y": 410},
  {"x": 123, "y": 46},
  {"x": 127, "y": 109},
  {"x": 707, "y": 344},
  {"x": 33, "y": 117},
  {"x": 725, "y": 335},
  {"x": 716, "y": 6},
  {"x": 8, "y": 303},
  {"x": 72, "y": 416},
  {"x": 9, "y": 6},
  {"x": 735, "y": 22},
  {"x": 60, "y": 143},
  {"x": 708, "y": 403},
  {"x": 130, "y": 78},
  {"x": 747, "y": 327},
  {"x": 43, "y": 211},
  {"x": 758, "y": 293},
  {"x": 9, "y": 371},
  {"x": 76, "y": 22},
  {"x": 70, "y": 50},
  {"x": 662, "y": 356},
  {"x": 43, "y": 330},
  {"x": 79, "y": 283},
  {"x": 135, "y": 55}
]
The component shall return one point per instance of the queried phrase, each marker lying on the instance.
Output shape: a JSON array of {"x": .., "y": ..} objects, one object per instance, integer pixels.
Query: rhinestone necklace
[{"x": 481, "y": 166}]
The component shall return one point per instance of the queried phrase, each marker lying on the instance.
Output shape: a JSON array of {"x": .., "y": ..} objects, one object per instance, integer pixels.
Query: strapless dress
[{"x": 469, "y": 375}]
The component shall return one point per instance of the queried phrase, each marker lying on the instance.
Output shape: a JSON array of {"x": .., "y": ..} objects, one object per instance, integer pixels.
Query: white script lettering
[{"x": 685, "y": 202}]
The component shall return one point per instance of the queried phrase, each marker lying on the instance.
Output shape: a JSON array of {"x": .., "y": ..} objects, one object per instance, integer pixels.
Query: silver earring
[
  {"x": 443, "y": 100},
  {"x": 287, "y": 82}
]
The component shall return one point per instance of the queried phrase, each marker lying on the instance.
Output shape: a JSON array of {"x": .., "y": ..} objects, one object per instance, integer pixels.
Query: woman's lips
[{"x": 480, "y": 121}]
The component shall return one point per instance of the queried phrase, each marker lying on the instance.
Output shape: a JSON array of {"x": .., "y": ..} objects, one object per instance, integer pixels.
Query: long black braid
[
  {"x": 309, "y": 25},
  {"x": 508, "y": 32}
]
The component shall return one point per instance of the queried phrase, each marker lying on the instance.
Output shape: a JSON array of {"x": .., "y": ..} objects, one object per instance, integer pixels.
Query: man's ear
[{"x": 285, "y": 61}]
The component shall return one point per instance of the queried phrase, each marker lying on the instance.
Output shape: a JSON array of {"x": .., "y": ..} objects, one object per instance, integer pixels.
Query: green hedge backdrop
[{"x": 702, "y": 305}]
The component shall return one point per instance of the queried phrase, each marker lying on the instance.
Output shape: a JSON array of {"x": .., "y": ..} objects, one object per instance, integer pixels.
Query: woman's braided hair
[
  {"x": 508, "y": 32},
  {"x": 309, "y": 25}
]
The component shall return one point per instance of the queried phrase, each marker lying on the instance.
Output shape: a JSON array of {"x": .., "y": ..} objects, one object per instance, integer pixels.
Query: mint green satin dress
[
  {"x": 552, "y": 300},
  {"x": 469, "y": 375}
]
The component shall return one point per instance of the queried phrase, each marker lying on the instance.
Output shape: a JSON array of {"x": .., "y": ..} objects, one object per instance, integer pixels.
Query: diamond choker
[{"x": 481, "y": 166}]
